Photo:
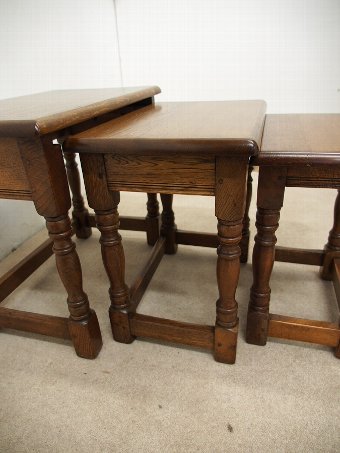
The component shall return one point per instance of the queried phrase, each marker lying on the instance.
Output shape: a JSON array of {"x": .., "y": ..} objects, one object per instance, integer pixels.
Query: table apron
[{"x": 161, "y": 174}]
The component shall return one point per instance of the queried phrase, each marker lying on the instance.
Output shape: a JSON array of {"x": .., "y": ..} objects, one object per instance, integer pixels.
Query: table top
[
  {"x": 222, "y": 127},
  {"x": 305, "y": 139},
  {"x": 47, "y": 112}
]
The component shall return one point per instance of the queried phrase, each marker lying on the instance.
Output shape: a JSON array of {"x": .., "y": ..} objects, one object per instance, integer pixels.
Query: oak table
[
  {"x": 32, "y": 168},
  {"x": 297, "y": 151},
  {"x": 196, "y": 148}
]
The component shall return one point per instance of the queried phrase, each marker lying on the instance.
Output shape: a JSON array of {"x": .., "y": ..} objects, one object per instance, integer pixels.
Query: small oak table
[
  {"x": 196, "y": 148},
  {"x": 32, "y": 168},
  {"x": 297, "y": 151}
]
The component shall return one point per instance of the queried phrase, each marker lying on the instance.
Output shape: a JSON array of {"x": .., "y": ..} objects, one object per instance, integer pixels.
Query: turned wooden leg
[
  {"x": 105, "y": 205},
  {"x": 80, "y": 213},
  {"x": 263, "y": 261},
  {"x": 114, "y": 262},
  {"x": 270, "y": 194},
  {"x": 332, "y": 251},
  {"x": 230, "y": 199},
  {"x": 152, "y": 219},
  {"x": 244, "y": 244},
  {"x": 168, "y": 227},
  {"x": 83, "y": 323},
  {"x": 332, "y": 248},
  {"x": 228, "y": 270}
]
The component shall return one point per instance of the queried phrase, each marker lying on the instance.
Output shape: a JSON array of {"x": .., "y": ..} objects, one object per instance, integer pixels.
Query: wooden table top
[
  {"x": 47, "y": 112},
  {"x": 300, "y": 139},
  {"x": 210, "y": 127}
]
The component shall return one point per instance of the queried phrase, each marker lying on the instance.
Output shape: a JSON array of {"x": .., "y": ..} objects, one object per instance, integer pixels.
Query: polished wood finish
[
  {"x": 196, "y": 238},
  {"x": 144, "y": 277},
  {"x": 152, "y": 220},
  {"x": 25, "y": 321},
  {"x": 172, "y": 331},
  {"x": 32, "y": 168},
  {"x": 168, "y": 226},
  {"x": 194, "y": 174},
  {"x": 80, "y": 214},
  {"x": 301, "y": 140},
  {"x": 244, "y": 244},
  {"x": 299, "y": 151},
  {"x": 22, "y": 270},
  {"x": 13, "y": 181},
  {"x": 193, "y": 148},
  {"x": 145, "y": 131},
  {"x": 320, "y": 332},
  {"x": 300, "y": 256},
  {"x": 44, "y": 113}
]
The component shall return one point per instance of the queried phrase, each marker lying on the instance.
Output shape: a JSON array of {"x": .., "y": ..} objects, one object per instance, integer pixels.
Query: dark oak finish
[
  {"x": 143, "y": 279},
  {"x": 192, "y": 148},
  {"x": 299, "y": 151},
  {"x": 172, "y": 331},
  {"x": 32, "y": 168},
  {"x": 53, "y": 326},
  {"x": 141, "y": 132},
  {"x": 44, "y": 113},
  {"x": 22, "y": 270},
  {"x": 80, "y": 214}
]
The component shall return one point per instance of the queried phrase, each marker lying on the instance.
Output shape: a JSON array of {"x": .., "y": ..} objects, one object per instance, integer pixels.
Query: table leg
[
  {"x": 269, "y": 202},
  {"x": 80, "y": 213},
  {"x": 168, "y": 226},
  {"x": 332, "y": 248},
  {"x": 83, "y": 323},
  {"x": 244, "y": 244},
  {"x": 228, "y": 271},
  {"x": 114, "y": 263},
  {"x": 152, "y": 219},
  {"x": 105, "y": 205},
  {"x": 230, "y": 199},
  {"x": 45, "y": 170}
]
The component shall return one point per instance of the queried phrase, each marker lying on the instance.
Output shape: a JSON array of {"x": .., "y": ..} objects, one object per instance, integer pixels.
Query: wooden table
[
  {"x": 32, "y": 168},
  {"x": 196, "y": 148},
  {"x": 297, "y": 151}
]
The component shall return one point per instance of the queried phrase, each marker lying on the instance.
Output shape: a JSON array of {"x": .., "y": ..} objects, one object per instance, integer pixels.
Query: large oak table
[
  {"x": 32, "y": 168},
  {"x": 195, "y": 148}
]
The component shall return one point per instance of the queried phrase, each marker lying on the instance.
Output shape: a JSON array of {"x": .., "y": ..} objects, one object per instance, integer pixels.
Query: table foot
[
  {"x": 257, "y": 327},
  {"x": 86, "y": 336},
  {"x": 225, "y": 344}
]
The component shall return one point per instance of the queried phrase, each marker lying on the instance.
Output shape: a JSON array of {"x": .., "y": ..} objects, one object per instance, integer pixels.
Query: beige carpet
[{"x": 150, "y": 397}]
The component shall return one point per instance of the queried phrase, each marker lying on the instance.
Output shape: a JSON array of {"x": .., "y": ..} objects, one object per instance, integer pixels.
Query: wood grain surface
[
  {"x": 174, "y": 174},
  {"x": 304, "y": 139},
  {"x": 13, "y": 180},
  {"x": 48, "y": 112},
  {"x": 209, "y": 127}
]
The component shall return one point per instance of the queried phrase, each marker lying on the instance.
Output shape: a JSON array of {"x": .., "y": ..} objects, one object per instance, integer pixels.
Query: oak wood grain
[
  {"x": 32, "y": 168},
  {"x": 300, "y": 139},
  {"x": 22, "y": 270},
  {"x": 43, "y": 113},
  {"x": 162, "y": 174},
  {"x": 54, "y": 326},
  {"x": 173, "y": 331},
  {"x": 320, "y": 332},
  {"x": 232, "y": 127},
  {"x": 300, "y": 151},
  {"x": 192, "y": 148},
  {"x": 13, "y": 180}
]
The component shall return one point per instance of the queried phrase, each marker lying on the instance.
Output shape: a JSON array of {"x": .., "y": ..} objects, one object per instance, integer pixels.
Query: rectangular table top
[
  {"x": 222, "y": 127},
  {"x": 305, "y": 139},
  {"x": 47, "y": 112}
]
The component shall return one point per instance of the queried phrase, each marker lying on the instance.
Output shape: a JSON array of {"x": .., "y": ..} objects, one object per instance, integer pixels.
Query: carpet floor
[{"x": 152, "y": 397}]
